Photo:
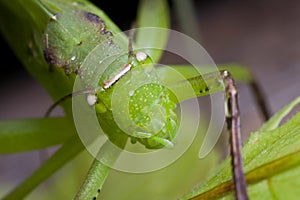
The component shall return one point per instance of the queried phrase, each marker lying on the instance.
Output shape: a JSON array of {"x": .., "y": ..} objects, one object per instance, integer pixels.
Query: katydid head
[{"x": 134, "y": 102}]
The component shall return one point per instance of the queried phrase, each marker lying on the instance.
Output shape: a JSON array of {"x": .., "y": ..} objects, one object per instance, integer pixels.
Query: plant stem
[
  {"x": 31, "y": 134},
  {"x": 67, "y": 152},
  {"x": 99, "y": 170}
]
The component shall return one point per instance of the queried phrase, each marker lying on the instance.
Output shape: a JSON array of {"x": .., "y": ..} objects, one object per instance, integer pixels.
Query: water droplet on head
[
  {"x": 141, "y": 56},
  {"x": 91, "y": 99},
  {"x": 131, "y": 93}
]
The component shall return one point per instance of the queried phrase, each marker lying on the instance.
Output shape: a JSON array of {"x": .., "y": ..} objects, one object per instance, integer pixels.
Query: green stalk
[
  {"x": 31, "y": 134},
  {"x": 66, "y": 153},
  {"x": 98, "y": 172},
  {"x": 148, "y": 11}
]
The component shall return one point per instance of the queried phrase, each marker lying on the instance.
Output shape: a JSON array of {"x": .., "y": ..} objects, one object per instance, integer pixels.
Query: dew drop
[
  {"x": 131, "y": 93},
  {"x": 91, "y": 99},
  {"x": 73, "y": 58},
  {"x": 141, "y": 56}
]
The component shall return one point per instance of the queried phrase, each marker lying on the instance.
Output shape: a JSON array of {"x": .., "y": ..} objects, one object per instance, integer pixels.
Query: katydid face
[{"x": 137, "y": 104}]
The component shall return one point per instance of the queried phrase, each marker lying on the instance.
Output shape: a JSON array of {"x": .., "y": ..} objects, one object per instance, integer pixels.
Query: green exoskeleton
[{"x": 150, "y": 107}]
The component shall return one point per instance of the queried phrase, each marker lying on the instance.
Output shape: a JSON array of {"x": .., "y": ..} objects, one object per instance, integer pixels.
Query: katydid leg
[
  {"x": 233, "y": 125},
  {"x": 211, "y": 83},
  {"x": 68, "y": 96}
]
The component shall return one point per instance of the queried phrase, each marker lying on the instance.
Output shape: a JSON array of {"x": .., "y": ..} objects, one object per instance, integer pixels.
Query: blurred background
[{"x": 262, "y": 35}]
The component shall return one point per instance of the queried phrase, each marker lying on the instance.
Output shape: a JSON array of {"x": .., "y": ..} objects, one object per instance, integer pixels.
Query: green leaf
[
  {"x": 31, "y": 134},
  {"x": 185, "y": 11},
  {"x": 61, "y": 157},
  {"x": 98, "y": 172},
  {"x": 153, "y": 14},
  {"x": 276, "y": 119},
  {"x": 271, "y": 160}
]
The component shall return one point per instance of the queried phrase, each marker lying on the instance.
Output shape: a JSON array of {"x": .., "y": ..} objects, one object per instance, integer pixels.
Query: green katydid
[
  {"x": 71, "y": 63},
  {"x": 153, "y": 98}
]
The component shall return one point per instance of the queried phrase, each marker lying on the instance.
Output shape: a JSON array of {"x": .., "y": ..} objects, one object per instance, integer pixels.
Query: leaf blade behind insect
[
  {"x": 276, "y": 119},
  {"x": 154, "y": 15},
  {"x": 61, "y": 157},
  {"x": 269, "y": 158},
  {"x": 30, "y": 134}
]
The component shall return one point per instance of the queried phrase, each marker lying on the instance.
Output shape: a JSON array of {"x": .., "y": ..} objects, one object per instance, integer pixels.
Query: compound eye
[{"x": 91, "y": 99}]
